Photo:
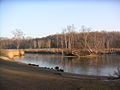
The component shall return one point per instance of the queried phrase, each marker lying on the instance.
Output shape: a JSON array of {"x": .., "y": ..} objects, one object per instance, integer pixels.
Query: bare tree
[
  {"x": 65, "y": 38},
  {"x": 85, "y": 33},
  {"x": 18, "y": 36},
  {"x": 69, "y": 38}
]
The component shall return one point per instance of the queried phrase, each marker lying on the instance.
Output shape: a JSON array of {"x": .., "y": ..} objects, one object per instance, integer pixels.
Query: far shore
[
  {"x": 11, "y": 53},
  {"x": 15, "y": 75}
]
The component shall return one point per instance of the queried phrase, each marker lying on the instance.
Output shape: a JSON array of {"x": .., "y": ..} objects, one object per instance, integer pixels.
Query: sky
[{"x": 39, "y": 18}]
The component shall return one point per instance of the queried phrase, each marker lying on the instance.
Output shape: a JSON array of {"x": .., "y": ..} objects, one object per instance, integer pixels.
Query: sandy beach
[{"x": 19, "y": 76}]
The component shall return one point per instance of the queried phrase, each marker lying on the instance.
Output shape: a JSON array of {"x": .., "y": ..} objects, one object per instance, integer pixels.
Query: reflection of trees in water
[
  {"x": 90, "y": 65},
  {"x": 111, "y": 60},
  {"x": 18, "y": 58},
  {"x": 50, "y": 59},
  {"x": 74, "y": 64},
  {"x": 74, "y": 61},
  {"x": 78, "y": 64}
]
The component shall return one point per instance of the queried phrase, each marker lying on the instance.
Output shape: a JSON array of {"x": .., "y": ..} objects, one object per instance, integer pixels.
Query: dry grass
[{"x": 11, "y": 53}]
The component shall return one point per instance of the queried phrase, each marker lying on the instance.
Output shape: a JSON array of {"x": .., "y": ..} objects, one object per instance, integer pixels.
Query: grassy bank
[
  {"x": 11, "y": 53},
  {"x": 15, "y": 75}
]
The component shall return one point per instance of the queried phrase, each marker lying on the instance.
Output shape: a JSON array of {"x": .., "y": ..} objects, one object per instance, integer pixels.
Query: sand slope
[{"x": 19, "y": 76}]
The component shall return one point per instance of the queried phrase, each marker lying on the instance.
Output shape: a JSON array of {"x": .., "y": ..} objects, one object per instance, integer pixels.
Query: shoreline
[
  {"x": 16, "y": 75},
  {"x": 64, "y": 74}
]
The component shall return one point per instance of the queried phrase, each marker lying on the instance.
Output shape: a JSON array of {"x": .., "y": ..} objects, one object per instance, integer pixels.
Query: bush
[{"x": 117, "y": 73}]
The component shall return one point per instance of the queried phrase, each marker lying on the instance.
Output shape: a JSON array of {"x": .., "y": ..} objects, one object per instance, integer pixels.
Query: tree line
[{"x": 69, "y": 38}]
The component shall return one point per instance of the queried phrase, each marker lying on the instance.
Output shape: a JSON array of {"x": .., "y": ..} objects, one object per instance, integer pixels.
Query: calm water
[{"x": 101, "y": 65}]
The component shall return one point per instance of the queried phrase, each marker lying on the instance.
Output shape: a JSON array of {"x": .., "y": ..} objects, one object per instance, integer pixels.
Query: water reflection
[
  {"x": 101, "y": 65},
  {"x": 16, "y": 58}
]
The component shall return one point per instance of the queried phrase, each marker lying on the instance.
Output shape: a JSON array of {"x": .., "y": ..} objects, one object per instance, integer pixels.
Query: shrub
[{"x": 117, "y": 73}]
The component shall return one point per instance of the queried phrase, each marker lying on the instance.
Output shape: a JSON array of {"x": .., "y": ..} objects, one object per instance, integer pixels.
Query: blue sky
[{"x": 38, "y": 18}]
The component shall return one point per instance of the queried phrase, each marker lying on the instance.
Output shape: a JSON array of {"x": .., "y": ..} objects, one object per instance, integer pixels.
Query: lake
[{"x": 102, "y": 65}]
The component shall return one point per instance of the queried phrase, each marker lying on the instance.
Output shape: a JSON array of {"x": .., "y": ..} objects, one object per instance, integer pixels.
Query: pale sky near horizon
[{"x": 38, "y": 18}]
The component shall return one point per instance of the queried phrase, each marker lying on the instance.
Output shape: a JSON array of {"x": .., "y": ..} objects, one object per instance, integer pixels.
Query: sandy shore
[{"x": 19, "y": 76}]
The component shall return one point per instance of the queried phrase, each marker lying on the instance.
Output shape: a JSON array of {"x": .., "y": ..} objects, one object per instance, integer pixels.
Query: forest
[{"x": 69, "y": 38}]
